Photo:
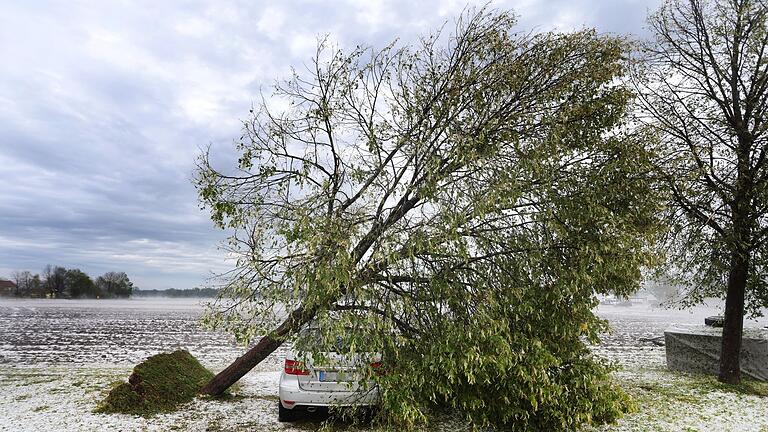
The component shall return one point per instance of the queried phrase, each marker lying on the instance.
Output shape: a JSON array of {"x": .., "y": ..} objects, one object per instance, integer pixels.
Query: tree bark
[
  {"x": 266, "y": 346},
  {"x": 741, "y": 241},
  {"x": 730, "y": 352}
]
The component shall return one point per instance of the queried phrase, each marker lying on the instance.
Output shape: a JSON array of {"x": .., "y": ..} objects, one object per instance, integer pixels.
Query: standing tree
[
  {"x": 453, "y": 206},
  {"x": 78, "y": 284},
  {"x": 705, "y": 89},
  {"x": 114, "y": 284},
  {"x": 23, "y": 280},
  {"x": 36, "y": 287},
  {"x": 54, "y": 280}
]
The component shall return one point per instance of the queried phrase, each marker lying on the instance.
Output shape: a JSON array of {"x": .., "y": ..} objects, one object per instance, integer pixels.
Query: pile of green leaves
[{"x": 158, "y": 384}]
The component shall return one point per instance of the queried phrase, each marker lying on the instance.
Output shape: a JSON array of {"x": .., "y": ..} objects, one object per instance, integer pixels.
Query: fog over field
[{"x": 108, "y": 332}]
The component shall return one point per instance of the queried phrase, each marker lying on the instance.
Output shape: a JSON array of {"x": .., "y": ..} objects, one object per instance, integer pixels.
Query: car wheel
[{"x": 284, "y": 414}]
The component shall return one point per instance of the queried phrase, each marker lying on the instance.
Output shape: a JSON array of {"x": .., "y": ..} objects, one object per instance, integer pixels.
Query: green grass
[
  {"x": 159, "y": 384},
  {"x": 670, "y": 400},
  {"x": 747, "y": 387},
  {"x": 671, "y": 393}
]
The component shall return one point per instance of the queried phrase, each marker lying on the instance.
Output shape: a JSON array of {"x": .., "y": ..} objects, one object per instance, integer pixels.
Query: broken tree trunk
[{"x": 266, "y": 346}]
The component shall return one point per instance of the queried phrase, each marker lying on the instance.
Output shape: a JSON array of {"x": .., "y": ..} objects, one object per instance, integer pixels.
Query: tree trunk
[
  {"x": 266, "y": 346},
  {"x": 741, "y": 207},
  {"x": 730, "y": 352}
]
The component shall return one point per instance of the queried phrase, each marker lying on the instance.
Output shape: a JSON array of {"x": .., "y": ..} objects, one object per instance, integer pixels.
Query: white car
[{"x": 307, "y": 385}]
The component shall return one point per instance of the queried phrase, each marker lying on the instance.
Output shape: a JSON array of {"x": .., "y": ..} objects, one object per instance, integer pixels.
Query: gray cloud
[{"x": 104, "y": 105}]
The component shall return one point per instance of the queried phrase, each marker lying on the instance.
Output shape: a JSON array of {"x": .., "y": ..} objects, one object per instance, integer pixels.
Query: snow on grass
[
  {"x": 50, "y": 388},
  {"x": 63, "y": 399},
  {"x": 671, "y": 401}
]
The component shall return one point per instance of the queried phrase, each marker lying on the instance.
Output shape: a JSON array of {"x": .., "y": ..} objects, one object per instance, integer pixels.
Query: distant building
[{"x": 7, "y": 287}]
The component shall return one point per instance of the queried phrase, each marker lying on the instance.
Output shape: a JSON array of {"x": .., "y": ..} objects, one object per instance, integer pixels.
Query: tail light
[
  {"x": 294, "y": 367},
  {"x": 377, "y": 369}
]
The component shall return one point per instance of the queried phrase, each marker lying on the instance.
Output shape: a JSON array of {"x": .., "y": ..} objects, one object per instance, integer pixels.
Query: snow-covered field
[{"x": 58, "y": 357}]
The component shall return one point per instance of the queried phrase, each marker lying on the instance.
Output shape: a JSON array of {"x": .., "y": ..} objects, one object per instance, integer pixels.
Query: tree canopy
[
  {"x": 54, "y": 280},
  {"x": 454, "y": 206},
  {"x": 114, "y": 284},
  {"x": 78, "y": 284}
]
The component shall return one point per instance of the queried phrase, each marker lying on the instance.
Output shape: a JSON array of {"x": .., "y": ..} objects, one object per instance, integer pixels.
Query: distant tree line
[
  {"x": 60, "y": 282},
  {"x": 173, "y": 292}
]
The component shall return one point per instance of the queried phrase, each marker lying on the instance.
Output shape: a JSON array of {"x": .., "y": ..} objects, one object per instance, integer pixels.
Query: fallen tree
[{"x": 453, "y": 206}]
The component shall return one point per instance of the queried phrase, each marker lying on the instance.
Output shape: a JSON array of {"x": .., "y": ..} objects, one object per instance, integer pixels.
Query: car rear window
[{"x": 311, "y": 339}]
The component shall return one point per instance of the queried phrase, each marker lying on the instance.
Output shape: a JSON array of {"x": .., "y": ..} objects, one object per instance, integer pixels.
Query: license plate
[
  {"x": 334, "y": 376},
  {"x": 327, "y": 376}
]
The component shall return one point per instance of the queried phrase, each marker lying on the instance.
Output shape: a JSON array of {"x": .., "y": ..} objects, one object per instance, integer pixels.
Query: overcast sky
[{"x": 105, "y": 104}]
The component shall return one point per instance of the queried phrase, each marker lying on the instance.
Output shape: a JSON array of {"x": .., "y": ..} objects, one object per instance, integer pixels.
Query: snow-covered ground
[
  {"x": 58, "y": 358},
  {"x": 670, "y": 401}
]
